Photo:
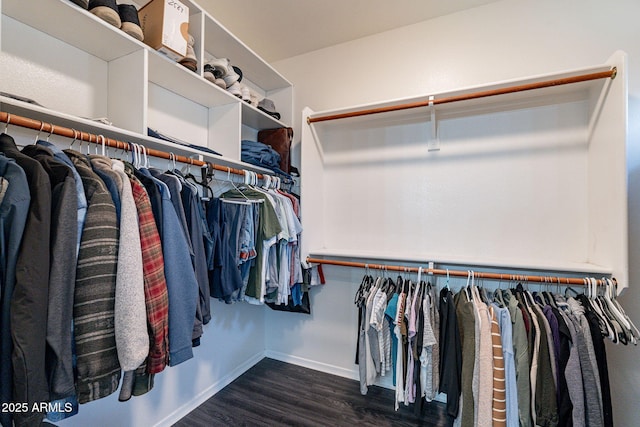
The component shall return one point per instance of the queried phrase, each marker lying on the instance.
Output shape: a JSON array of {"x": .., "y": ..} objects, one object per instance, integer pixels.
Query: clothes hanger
[
  {"x": 635, "y": 334},
  {"x": 6, "y": 125},
  {"x": 622, "y": 327}
]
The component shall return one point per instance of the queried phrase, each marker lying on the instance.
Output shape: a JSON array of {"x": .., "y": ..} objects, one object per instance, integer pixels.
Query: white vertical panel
[
  {"x": 607, "y": 212},
  {"x": 312, "y": 189},
  {"x": 224, "y": 130},
  {"x": 127, "y": 100},
  {"x": 176, "y": 116}
]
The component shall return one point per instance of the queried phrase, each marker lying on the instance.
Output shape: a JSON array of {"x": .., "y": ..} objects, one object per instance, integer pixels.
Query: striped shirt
[
  {"x": 499, "y": 384},
  {"x": 98, "y": 369}
]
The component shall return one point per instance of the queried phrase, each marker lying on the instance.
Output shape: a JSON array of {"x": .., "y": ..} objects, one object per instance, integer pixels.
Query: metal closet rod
[
  {"x": 469, "y": 96},
  {"x": 551, "y": 280},
  {"x": 26, "y": 122}
]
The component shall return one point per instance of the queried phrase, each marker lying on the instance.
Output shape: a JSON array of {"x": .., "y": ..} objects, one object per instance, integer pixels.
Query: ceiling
[{"x": 279, "y": 29}]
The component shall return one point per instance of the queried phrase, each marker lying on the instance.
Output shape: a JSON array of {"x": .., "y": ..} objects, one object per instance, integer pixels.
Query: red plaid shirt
[{"x": 155, "y": 285}]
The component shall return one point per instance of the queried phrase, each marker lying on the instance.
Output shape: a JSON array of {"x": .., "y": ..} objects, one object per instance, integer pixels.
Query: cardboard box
[{"x": 165, "y": 24}]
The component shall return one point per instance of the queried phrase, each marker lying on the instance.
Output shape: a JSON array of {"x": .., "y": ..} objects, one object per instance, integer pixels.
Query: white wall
[{"x": 499, "y": 41}]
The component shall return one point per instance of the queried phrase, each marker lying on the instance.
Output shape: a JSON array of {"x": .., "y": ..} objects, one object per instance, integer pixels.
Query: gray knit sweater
[{"x": 132, "y": 339}]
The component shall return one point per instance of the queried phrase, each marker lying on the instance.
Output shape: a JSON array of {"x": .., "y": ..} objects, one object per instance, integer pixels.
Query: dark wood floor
[{"x": 275, "y": 393}]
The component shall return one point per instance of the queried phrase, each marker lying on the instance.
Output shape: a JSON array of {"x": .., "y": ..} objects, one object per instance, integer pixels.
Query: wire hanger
[
  {"x": 38, "y": 135},
  {"x": 6, "y": 125},
  {"x": 51, "y": 131}
]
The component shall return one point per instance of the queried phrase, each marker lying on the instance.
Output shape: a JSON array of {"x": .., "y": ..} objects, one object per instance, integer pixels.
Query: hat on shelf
[
  {"x": 130, "y": 22},
  {"x": 210, "y": 74},
  {"x": 269, "y": 107},
  {"x": 106, "y": 10}
]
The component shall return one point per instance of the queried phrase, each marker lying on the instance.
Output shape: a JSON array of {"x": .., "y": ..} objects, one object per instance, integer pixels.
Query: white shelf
[
  {"x": 86, "y": 125},
  {"x": 257, "y": 119},
  {"x": 506, "y": 102},
  {"x": 176, "y": 78},
  {"x": 65, "y": 21},
  {"x": 222, "y": 44},
  {"x": 89, "y": 68},
  {"x": 466, "y": 261}
]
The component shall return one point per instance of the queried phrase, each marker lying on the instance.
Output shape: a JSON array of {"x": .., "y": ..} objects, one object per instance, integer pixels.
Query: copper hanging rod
[
  {"x": 469, "y": 96},
  {"x": 26, "y": 122},
  {"x": 551, "y": 280}
]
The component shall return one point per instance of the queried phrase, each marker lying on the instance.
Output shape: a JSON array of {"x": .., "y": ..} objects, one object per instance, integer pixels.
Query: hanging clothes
[
  {"x": 62, "y": 275},
  {"x": 29, "y": 303},
  {"x": 98, "y": 370},
  {"x": 14, "y": 209}
]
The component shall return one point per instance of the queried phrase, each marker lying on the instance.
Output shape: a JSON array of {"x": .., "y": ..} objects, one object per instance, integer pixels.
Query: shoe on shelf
[
  {"x": 238, "y": 71},
  {"x": 209, "y": 75},
  {"x": 82, "y": 3},
  {"x": 245, "y": 93},
  {"x": 223, "y": 69},
  {"x": 130, "y": 22},
  {"x": 107, "y": 10},
  {"x": 190, "y": 61},
  {"x": 235, "y": 89}
]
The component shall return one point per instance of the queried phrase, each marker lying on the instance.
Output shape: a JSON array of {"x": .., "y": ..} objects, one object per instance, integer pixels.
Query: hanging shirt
[
  {"x": 13, "y": 215},
  {"x": 28, "y": 312},
  {"x": 268, "y": 228},
  {"x": 450, "y": 353},
  {"x": 62, "y": 276},
  {"x": 155, "y": 285},
  {"x": 98, "y": 370}
]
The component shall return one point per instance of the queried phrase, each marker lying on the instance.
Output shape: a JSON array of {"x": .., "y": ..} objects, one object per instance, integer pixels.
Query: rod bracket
[
  {"x": 434, "y": 140},
  {"x": 614, "y": 72}
]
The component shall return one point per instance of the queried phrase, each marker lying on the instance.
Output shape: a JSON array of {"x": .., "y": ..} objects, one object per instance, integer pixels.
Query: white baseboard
[
  {"x": 198, "y": 400},
  {"x": 313, "y": 364}
]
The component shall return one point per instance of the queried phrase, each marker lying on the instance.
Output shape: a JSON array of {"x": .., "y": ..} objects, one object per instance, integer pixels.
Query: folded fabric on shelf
[{"x": 157, "y": 134}]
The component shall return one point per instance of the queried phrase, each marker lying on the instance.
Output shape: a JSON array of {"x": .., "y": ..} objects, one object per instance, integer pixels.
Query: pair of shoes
[
  {"x": 190, "y": 61},
  {"x": 210, "y": 74},
  {"x": 222, "y": 69},
  {"x": 123, "y": 16}
]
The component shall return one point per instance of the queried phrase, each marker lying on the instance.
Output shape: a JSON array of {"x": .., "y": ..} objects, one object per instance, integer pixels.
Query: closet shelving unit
[
  {"x": 524, "y": 181},
  {"x": 80, "y": 67}
]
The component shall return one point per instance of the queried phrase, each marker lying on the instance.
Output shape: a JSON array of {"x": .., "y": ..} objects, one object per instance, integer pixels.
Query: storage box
[{"x": 165, "y": 24}]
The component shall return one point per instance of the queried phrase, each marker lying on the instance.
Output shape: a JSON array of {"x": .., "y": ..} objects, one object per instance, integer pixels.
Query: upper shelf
[
  {"x": 86, "y": 125},
  {"x": 494, "y": 97},
  {"x": 65, "y": 21},
  {"x": 222, "y": 44}
]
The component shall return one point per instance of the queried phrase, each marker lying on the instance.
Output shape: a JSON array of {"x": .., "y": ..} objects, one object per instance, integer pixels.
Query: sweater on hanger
[
  {"x": 132, "y": 339},
  {"x": 573, "y": 375},
  {"x": 589, "y": 368},
  {"x": 466, "y": 317}
]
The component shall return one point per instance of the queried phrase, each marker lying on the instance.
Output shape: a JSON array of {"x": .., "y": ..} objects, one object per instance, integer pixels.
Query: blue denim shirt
[
  {"x": 82, "y": 198},
  {"x": 182, "y": 286}
]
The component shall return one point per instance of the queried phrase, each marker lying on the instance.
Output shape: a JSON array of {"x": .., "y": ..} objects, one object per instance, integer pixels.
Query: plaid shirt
[{"x": 155, "y": 286}]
